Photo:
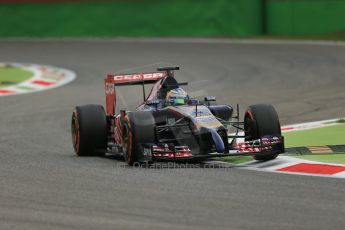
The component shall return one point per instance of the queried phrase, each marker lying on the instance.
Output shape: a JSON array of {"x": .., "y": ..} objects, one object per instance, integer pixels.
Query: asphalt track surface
[{"x": 44, "y": 185}]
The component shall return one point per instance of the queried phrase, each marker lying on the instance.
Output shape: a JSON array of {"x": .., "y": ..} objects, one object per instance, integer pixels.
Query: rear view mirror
[{"x": 210, "y": 98}]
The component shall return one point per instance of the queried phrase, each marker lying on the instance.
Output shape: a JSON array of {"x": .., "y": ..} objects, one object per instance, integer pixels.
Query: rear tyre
[
  {"x": 89, "y": 130},
  {"x": 138, "y": 128},
  {"x": 261, "y": 120}
]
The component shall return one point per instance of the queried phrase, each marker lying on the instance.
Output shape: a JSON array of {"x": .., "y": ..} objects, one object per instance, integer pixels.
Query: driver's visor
[{"x": 180, "y": 101}]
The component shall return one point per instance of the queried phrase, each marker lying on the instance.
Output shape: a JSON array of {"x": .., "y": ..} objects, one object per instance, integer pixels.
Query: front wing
[{"x": 170, "y": 152}]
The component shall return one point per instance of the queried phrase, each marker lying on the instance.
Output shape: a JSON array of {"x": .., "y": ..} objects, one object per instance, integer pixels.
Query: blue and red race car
[{"x": 171, "y": 126}]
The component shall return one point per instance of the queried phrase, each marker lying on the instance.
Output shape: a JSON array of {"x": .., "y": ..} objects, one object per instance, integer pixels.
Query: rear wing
[
  {"x": 135, "y": 79},
  {"x": 113, "y": 80},
  {"x": 127, "y": 79}
]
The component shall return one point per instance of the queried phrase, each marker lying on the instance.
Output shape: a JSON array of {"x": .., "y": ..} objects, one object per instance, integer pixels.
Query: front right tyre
[{"x": 259, "y": 121}]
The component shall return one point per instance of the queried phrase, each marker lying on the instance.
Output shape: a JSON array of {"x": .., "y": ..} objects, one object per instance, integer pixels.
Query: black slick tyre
[
  {"x": 89, "y": 130},
  {"x": 138, "y": 128},
  {"x": 261, "y": 120}
]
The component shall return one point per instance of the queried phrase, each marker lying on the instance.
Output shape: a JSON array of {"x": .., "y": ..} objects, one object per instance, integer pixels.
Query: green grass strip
[
  {"x": 330, "y": 135},
  {"x": 13, "y": 75}
]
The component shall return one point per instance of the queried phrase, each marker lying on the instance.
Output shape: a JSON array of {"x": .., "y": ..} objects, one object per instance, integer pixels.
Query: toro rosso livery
[{"x": 169, "y": 125}]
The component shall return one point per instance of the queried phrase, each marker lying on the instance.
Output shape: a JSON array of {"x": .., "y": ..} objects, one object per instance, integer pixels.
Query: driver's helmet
[{"x": 177, "y": 97}]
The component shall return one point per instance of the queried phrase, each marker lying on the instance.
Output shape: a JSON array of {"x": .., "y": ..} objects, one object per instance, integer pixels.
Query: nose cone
[{"x": 218, "y": 141}]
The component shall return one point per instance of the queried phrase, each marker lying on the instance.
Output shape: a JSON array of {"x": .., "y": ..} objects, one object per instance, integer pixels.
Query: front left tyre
[
  {"x": 137, "y": 128},
  {"x": 89, "y": 130}
]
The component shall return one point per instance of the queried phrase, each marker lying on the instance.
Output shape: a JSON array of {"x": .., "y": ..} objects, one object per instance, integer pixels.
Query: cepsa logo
[
  {"x": 138, "y": 77},
  {"x": 109, "y": 88}
]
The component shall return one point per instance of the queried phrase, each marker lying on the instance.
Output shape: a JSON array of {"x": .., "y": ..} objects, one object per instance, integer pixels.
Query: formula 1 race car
[{"x": 171, "y": 126}]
